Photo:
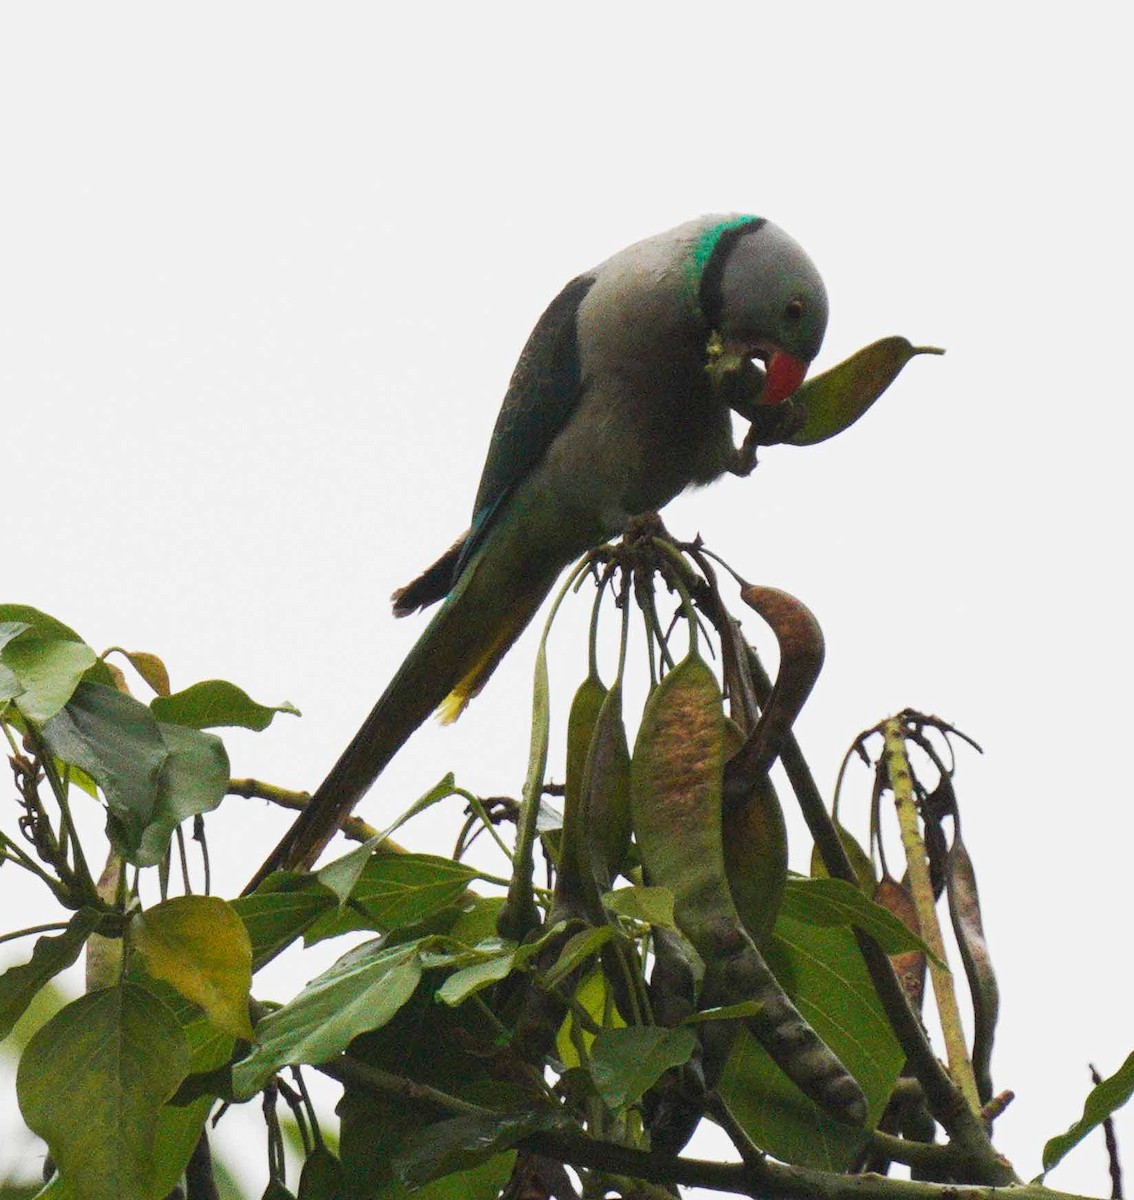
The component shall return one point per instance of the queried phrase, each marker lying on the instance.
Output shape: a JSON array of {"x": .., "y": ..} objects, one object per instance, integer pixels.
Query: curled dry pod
[
  {"x": 676, "y": 786},
  {"x": 964, "y": 909},
  {"x": 910, "y": 965},
  {"x": 837, "y": 398},
  {"x": 755, "y": 850}
]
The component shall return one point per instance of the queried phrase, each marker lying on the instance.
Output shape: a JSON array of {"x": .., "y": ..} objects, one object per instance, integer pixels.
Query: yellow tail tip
[{"x": 453, "y": 705}]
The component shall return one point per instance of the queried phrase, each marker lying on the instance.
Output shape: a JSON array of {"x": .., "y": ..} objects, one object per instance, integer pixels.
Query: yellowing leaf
[{"x": 199, "y": 946}]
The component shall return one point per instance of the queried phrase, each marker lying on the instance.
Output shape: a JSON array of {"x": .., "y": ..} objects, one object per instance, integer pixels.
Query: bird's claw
[{"x": 768, "y": 426}]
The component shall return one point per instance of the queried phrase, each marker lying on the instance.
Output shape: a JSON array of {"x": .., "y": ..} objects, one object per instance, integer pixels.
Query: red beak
[{"x": 784, "y": 373}]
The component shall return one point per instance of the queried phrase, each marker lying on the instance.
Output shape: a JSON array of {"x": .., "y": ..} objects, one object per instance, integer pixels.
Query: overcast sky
[{"x": 264, "y": 273}]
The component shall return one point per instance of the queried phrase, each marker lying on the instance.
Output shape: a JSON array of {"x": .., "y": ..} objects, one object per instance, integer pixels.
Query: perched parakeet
[{"x": 621, "y": 399}]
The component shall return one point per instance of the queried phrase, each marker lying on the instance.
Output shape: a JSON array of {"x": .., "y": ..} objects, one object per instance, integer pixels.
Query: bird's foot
[{"x": 768, "y": 426}]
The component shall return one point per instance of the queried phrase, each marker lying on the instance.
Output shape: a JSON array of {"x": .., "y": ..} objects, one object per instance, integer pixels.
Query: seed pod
[
  {"x": 755, "y": 850},
  {"x": 838, "y": 397},
  {"x": 606, "y": 793},
  {"x": 676, "y": 793},
  {"x": 575, "y": 893}
]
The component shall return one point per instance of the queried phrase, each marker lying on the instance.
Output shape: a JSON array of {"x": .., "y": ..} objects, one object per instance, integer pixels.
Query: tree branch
[{"x": 763, "y": 1179}]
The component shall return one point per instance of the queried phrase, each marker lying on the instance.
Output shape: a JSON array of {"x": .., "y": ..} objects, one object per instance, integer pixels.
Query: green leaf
[
  {"x": 824, "y": 974},
  {"x": 463, "y": 1142},
  {"x": 20, "y": 984},
  {"x": 726, "y": 1012},
  {"x": 153, "y": 776},
  {"x": 650, "y": 905},
  {"x": 1103, "y": 1100},
  {"x": 393, "y": 891},
  {"x": 216, "y": 702},
  {"x": 463, "y": 983},
  {"x": 92, "y": 1082},
  {"x": 193, "y": 779},
  {"x": 626, "y": 1062},
  {"x": 178, "y": 1131},
  {"x": 45, "y": 626},
  {"x": 830, "y": 902},
  {"x": 11, "y": 629},
  {"x": 578, "y": 948},
  {"x": 342, "y": 874},
  {"x": 477, "y": 921},
  {"x": 116, "y": 741},
  {"x": 447, "y": 1048},
  {"x": 859, "y": 859},
  {"x": 280, "y": 910},
  {"x": 362, "y": 991},
  {"x": 10, "y": 687},
  {"x": 321, "y": 1177},
  {"x": 199, "y": 945},
  {"x": 47, "y": 671},
  {"x": 837, "y": 398}
]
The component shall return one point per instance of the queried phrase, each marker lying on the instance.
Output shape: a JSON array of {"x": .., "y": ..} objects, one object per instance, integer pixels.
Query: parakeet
[{"x": 621, "y": 399}]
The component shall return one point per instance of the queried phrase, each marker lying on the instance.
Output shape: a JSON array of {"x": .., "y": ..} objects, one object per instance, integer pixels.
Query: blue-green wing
[{"x": 542, "y": 396}]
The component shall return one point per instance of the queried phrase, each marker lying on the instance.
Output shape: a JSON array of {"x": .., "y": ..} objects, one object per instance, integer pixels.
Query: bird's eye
[{"x": 794, "y": 310}]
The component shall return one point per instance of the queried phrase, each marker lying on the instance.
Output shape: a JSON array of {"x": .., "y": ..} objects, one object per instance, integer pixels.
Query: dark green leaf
[
  {"x": 362, "y": 991},
  {"x": 626, "y": 1062},
  {"x": 464, "y": 1142},
  {"x": 216, "y": 702},
  {"x": 1103, "y": 1100},
  {"x": 650, "y": 905},
  {"x": 463, "y": 983},
  {"x": 322, "y": 1176},
  {"x": 50, "y": 955},
  {"x": 193, "y": 779},
  {"x": 448, "y": 1048},
  {"x": 726, "y": 1012},
  {"x": 92, "y": 1082},
  {"x": 116, "y": 741},
  {"x": 477, "y": 921},
  {"x": 577, "y": 949},
  {"x": 838, "y": 397},
  {"x": 393, "y": 891},
  {"x": 281, "y": 909}
]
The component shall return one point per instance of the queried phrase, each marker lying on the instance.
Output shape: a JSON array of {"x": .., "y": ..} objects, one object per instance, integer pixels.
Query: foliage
[{"x": 490, "y": 1030}]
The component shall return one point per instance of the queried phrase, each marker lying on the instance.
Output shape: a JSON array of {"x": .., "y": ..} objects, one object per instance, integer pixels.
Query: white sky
[{"x": 264, "y": 272}]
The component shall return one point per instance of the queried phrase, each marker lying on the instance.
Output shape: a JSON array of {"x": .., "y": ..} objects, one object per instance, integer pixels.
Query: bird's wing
[{"x": 542, "y": 396}]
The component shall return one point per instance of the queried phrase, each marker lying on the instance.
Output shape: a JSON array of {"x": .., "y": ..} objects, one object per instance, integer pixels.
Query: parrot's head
[{"x": 764, "y": 299}]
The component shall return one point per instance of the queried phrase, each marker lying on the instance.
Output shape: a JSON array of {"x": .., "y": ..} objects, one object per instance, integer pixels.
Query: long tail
[{"x": 491, "y": 604}]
